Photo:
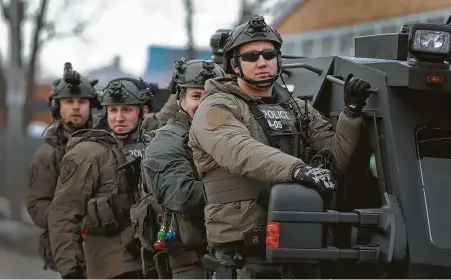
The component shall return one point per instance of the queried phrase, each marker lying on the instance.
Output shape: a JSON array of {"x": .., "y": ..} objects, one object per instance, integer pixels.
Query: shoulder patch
[
  {"x": 68, "y": 168},
  {"x": 216, "y": 117},
  {"x": 33, "y": 174}
]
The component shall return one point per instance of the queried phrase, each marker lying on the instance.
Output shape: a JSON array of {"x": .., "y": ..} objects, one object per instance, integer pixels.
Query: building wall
[
  {"x": 40, "y": 111},
  {"x": 313, "y": 15},
  {"x": 340, "y": 40}
]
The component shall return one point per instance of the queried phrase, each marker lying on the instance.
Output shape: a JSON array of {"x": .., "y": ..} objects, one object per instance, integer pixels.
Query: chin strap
[{"x": 262, "y": 83}]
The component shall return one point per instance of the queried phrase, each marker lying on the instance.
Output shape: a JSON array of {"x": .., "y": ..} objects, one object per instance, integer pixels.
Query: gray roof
[
  {"x": 285, "y": 12},
  {"x": 106, "y": 74},
  {"x": 109, "y": 72},
  {"x": 103, "y": 74}
]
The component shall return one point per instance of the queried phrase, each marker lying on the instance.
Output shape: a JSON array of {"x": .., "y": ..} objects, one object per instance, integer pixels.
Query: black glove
[
  {"x": 317, "y": 178},
  {"x": 356, "y": 96}
]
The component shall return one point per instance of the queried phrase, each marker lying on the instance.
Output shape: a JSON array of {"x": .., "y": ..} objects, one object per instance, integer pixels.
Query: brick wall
[
  {"x": 41, "y": 94},
  {"x": 322, "y": 14}
]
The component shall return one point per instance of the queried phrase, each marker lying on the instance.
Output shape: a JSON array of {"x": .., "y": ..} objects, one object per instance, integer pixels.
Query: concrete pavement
[{"x": 19, "y": 256}]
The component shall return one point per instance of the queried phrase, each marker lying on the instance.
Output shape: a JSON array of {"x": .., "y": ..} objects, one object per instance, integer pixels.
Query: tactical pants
[
  {"x": 187, "y": 265},
  {"x": 151, "y": 274},
  {"x": 193, "y": 272},
  {"x": 254, "y": 266}
]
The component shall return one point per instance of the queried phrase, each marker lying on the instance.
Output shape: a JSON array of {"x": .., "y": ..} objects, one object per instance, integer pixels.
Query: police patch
[
  {"x": 33, "y": 174},
  {"x": 68, "y": 168},
  {"x": 216, "y": 117}
]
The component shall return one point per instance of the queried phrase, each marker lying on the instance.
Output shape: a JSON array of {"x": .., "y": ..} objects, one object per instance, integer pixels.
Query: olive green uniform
[
  {"x": 230, "y": 148},
  {"x": 45, "y": 165},
  {"x": 95, "y": 193},
  {"x": 172, "y": 178},
  {"x": 88, "y": 171},
  {"x": 43, "y": 175},
  {"x": 44, "y": 169},
  {"x": 169, "y": 172}
]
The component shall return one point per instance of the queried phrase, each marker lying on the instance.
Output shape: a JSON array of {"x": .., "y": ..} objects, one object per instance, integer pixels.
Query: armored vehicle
[{"x": 391, "y": 214}]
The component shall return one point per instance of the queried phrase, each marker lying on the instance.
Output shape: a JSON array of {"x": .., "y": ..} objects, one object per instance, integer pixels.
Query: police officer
[
  {"x": 93, "y": 195},
  {"x": 70, "y": 105},
  {"x": 170, "y": 175},
  {"x": 243, "y": 140},
  {"x": 152, "y": 120}
]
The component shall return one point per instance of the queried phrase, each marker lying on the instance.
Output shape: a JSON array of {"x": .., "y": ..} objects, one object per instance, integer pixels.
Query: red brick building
[{"x": 328, "y": 27}]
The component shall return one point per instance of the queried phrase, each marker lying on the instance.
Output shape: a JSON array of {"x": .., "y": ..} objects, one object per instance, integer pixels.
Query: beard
[{"x": 78, "y": 125}]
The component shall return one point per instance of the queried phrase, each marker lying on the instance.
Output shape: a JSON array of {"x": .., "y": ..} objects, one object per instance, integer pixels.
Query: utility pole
[{"x": 15, "y": 171}]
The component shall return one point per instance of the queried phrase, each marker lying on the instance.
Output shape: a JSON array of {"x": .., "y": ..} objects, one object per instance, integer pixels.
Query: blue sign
[{"x": 160, "y": 62}]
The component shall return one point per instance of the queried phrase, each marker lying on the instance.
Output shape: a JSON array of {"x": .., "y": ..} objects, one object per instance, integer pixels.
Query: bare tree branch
[
  {"x": 2, "y": 66},
  {"x": 3, "y": 84},
  {"x": 189, "y": 28},
  {"x": 39, "y": 25},
  {"x": 78, "y": 28},
  {"x": 36, "y": 45},
  {"x": 5, "y": 10},
  {"x": 50, "y": 25},
  {"x": 44, "y": 30},
  {"x": 248, "y": 9}
]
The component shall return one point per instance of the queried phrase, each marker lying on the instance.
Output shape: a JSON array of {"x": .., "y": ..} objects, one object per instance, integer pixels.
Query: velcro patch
[
  {"x": 68, "y": 168},
  {"x": 216, "y": 117}
]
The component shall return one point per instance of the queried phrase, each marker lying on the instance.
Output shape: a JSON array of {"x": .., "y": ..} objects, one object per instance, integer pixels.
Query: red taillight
[
  {"x": 435, "y": 80},
  {"x": 273, "y": 235}
]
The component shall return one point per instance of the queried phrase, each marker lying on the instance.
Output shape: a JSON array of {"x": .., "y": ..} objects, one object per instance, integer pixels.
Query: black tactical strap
[
  {"x": 120, "y": 175},
  {"x": 284, "y": 146},
  {"x": 281, "y": 143},
  {"x": 260, "y": 118},
  {"x": 264, "y": 123},
  {"x": 121, "y": 159}
]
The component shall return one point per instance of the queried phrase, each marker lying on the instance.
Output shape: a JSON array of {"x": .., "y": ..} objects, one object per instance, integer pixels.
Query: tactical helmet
[
  {"x": 126, "y": 91},
  {"x": 193, "y": 74},
  {"x": 255, "y": 29},
  {"x": 72, "y": 85},
  {"x": 216, "y": 46}
]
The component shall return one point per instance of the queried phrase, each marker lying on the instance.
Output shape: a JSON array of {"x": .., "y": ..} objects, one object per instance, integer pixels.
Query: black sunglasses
[{"x": 252, "y": 56}]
